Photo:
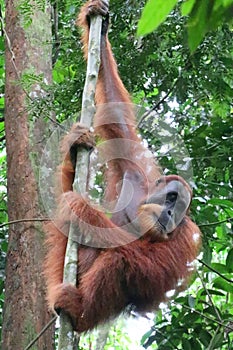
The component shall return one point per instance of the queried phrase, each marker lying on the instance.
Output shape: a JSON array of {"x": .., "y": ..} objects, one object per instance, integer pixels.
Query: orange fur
[{"x": 136, "y": 272}]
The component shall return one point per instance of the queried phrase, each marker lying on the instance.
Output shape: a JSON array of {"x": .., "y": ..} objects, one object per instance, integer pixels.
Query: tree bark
[{"x": 25, "y": 309}]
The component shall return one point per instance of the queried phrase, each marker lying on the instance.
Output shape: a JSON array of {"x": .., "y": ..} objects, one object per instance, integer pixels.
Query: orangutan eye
[
  {"x": 171, "y": 196},
  {"x": 159, "y": 181}
]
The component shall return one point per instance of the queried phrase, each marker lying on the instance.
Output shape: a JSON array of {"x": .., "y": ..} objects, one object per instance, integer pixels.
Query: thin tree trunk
[{"x": 25, "y": 309}]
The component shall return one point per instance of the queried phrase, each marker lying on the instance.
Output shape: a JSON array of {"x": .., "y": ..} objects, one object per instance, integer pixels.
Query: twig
[
  {"x": 162, "y": 335},
  {"x": 215, "y": 223},
  {"x": 206, "y": 317},
  {"x": 146, "y": 114},
  {"x": 23, "y": 220},
  {"x": 41, "y": 333},
  {"x": 209, "y": 296},
  {"x": 215, "y": 271}
]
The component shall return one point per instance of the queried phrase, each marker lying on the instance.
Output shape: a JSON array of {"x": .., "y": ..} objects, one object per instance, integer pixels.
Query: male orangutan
[{"x": 146, "y": 247}]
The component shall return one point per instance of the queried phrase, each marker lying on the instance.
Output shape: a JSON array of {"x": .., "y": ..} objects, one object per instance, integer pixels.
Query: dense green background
[{"x": 193, "y": 91}]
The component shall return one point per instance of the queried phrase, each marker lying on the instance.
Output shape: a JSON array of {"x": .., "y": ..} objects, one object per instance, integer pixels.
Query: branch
[
  {"x": 103, "y": 334},
  {"x": 23, "y": 220},
  {"x": 164, "y": 336},
  {"x": 146, "y": 114},
  {"x": 206, "y": 317},
  {"x": 209, "y": 296},
  {"x": 175, "y": 82},
  {"x": 215, "y": 271},
  {"x": 66, "y": 335},
  {"x": 215, "y": 223},
  {"x": 29, "y": 346}
]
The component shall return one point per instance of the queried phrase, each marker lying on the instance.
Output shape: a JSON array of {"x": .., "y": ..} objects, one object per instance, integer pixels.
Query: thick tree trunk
[{"x": 25, "y": 311}]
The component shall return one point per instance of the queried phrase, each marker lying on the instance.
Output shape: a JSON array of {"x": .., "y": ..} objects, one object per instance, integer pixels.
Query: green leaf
[
  {"x": 223, "y": 285},
  {"x": 229, "y": 261},
  {"x": 146, "y": 336},
  {"x": 195, "y": 344},
  {"x": 212, "y": 292},
  {"x": 198, "y": 23},
  {"x": 154, "y": 13},
  {"x": 191, "y": 301},
  {"x": 186, "y": 7},
  {"x": 221, "y": 268},
  {"x": 186, "y": 344},
  {"x": 205, "y": 337},
  {"x": 221, "y": 202},
  {"x": 217, "y": 340},
  {"x": 207, "y": 256},
  {"x": 227, "y": 3}
]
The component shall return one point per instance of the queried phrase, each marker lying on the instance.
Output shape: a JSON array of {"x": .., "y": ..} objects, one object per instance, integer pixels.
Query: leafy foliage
[
  {"x": 151, "y": 17},
  {"x": 203, "y": 16},
  {"x": 27, "y": 9}
]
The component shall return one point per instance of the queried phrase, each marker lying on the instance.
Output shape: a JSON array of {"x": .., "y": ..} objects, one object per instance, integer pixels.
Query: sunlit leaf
[
  {"x": 186, "y": 7},
  {"x": 154, "y": 13},
  {"x": 227, "y": 3},
  {"x": 221, "y": 202}
]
